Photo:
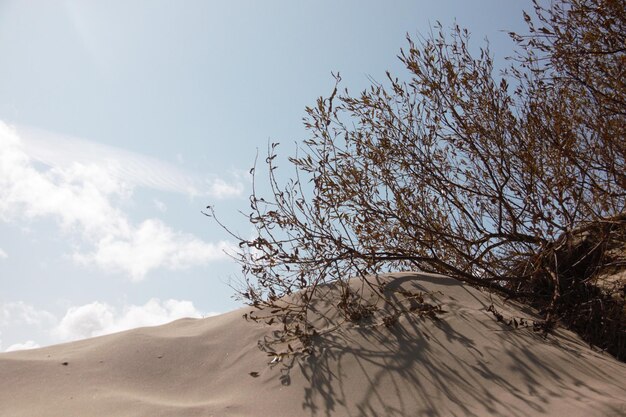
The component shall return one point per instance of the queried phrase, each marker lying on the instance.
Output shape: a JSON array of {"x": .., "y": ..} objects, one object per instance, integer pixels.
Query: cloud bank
[
  {"x": 97, "y": 318},
  {"x": 29, "y": 344},
  {"x": 23, "y": 314},
  {"x": 85, "y": 199},
  {"x": 89, "y": 320},
  {"x": 131, "y": 168},
  {"x": 20, "y": 316},
  {"x": 150, "y": 245}
]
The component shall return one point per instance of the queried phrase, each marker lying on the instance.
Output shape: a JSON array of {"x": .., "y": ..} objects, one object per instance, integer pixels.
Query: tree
[{"x": 491, "y": 179}]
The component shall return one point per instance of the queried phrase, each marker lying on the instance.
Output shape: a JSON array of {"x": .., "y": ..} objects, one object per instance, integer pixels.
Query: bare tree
[{"x": 487, "y": 178}]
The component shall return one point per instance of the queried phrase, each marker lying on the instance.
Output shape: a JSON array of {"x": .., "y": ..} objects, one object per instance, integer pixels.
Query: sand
[{"x": 464, "y": 364}]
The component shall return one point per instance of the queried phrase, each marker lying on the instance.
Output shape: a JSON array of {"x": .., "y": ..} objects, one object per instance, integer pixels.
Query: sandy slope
[{"x": 461, "y": 365}]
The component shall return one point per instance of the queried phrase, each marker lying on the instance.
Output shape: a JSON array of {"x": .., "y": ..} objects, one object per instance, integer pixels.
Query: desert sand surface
[{"x": 463, "y": 364}]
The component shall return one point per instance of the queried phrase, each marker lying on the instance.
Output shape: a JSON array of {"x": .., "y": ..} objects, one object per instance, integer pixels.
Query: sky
[{"x": 120, "y": 121}]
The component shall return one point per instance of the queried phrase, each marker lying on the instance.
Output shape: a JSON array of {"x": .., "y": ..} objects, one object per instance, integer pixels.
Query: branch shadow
[{"x": 453, "y": 366}]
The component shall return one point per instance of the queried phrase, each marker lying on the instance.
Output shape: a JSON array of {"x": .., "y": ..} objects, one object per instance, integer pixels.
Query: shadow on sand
[{"x": 464, "y": 364}]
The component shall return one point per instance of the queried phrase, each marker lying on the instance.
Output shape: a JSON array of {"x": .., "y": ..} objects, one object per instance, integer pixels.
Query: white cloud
[
  {"x": 84, "y": 198},
  {"x": 20, "y": 313},
  {"x": 222, "y": 190},
  {"x": 29, "y": 344},
  {"x": 133, "y": 169},
  {"x": 161, "y": 206},
  {"x": 149, "y": 246},
  {"x": 18, "y": 318},
  {"x": 96, "y": 319},
  {"x": 88, "y": 320},
  {"x": 3, "y": 254}
]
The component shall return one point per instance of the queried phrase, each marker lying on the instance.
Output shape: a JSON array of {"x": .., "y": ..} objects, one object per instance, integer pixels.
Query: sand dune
[{"x": 464, "y": 364}]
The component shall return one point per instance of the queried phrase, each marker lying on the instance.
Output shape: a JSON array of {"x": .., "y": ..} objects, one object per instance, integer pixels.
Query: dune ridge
[{"x": 463, "y": 364}]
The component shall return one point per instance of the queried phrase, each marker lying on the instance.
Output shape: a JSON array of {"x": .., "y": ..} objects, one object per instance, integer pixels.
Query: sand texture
[{"x": 463, "y": 364}]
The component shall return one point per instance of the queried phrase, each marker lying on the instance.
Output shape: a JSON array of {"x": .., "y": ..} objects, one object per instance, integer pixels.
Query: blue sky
[{"x": 121, "y": 120}]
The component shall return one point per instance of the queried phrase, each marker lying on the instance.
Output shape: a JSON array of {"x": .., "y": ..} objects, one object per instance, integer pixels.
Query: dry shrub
[{"x": 492, "y": 179}]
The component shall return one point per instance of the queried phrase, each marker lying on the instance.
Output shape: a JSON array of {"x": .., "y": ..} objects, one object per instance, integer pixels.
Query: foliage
[{"x": 489, "y": 179}]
